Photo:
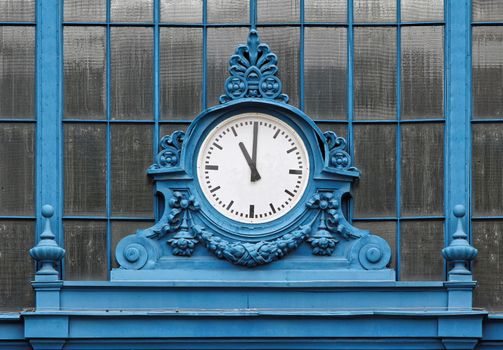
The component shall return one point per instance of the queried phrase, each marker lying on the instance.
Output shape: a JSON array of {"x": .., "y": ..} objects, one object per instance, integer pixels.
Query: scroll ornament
[
  {"x": 339, "y": 157},
  {"x": 169, "y": 156}
]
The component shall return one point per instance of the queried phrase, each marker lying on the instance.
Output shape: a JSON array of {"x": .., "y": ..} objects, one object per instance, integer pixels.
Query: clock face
[{"x": 253, "y": 168}]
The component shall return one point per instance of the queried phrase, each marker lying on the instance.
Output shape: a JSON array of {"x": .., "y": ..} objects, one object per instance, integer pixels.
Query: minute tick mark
[{"x": 289, "y": 193}]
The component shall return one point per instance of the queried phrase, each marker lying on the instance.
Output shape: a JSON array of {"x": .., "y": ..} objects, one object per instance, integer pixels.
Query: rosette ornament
[
  {"x": 47, "y": 252},
  {"x": 171, "y": 148},
  {"x": 253, "y": 71},
  {"x": 460, "y": 252}
]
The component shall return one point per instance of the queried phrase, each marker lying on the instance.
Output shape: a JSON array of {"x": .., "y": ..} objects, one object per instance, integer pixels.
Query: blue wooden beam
[
  {"x": 458, "y": 110},
  {"x": 49, "y": 77}
]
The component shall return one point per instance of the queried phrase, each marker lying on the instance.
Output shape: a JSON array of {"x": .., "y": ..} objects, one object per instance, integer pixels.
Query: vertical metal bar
[
  {"x": 446, "y": 144},
  {"x": 49, "y": 77},
  {"x": 301, "y": 56},
  {"x": 109, "y": 145},
  {"x": 253, "y": 14},
  {"x": 350, "y": 51},
  {"x": 458, "y": 65},
  {"x": 205, "y": 53},
  {"x": 398, "y": 177},
  {"x": 157, "y": 92}
]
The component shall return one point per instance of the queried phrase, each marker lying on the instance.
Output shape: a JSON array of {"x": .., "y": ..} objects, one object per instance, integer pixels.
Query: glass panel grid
[
  {"x": 18, "y": 130},
  {"x": 96, "y": 220},
  {"x": 168, "y": 16},
  {"x": 486, "y": 150},
  {"x": 398, "y": 17}
]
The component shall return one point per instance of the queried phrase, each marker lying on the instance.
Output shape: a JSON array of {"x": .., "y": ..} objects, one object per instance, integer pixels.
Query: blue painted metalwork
[
  {"x": 459, "y": 251},
  {"x": 108, "y": 70},
  {"x": 458, "y": 107},
  {"x": 253, "y": 73},
  {"x": 47, "y": 252},
  {"x": 49, "y": 181},
  {"x": 271, "y": 308},
  {"x": 189, "y": 218}
]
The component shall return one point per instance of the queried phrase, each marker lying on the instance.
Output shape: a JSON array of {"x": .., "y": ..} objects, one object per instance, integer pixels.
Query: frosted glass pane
[
  {"x": 487, "y": 72},
  {"x": 384, "y": 229},
  {"x": 228, "y": 11},
  {"x": 85, "y": 79},
  {"x": 421, "y": 243},
  {"x": 187, "y": 11},
  {"x": 169, "y": 128},
  {"x": 272, "y": 11},
  {"x": 422, "y": 161},
  {"x": 85, "y": 10},
  {"x": 422, "y": 72},
  {"x": 487, "y": 169},
  {"x": 339, "y": 128},
  {"x": 422, "y": 10},
  {"x": 132, "y": 73},
  {"x": 132, "y": 10},
  {"x": 86, "y": 250},
  {"x": 221, "y": 44},
  {"x": 17, "y": 271},
  {"x": 181, "y": 72},
  {"x": 17, "y": 72},
  {"x": 284, "y": 42},
  {"x": 132, "y": 193},
  {"x": 325, "y": 10},
  {"x": 325, "y": 72},
  {"x": 488, "y": 267},
  {"x": 487, "y": 10},
  {"x": 85, "y": 169},
  {"x": 375, "y": 73},
  {"x": 17, "y": 168},
  {"x": 121, "y": 229},
  {"x": 17, "y": 10},
  {"x": 374, "y": 153},
  {"x": 374, "y": 10}
]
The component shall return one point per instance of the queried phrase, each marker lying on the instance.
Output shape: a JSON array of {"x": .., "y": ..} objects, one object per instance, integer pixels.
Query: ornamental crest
[{"x": 253, "y": 73}]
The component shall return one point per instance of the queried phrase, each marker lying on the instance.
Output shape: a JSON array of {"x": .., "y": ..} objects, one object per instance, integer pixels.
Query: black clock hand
[
  {"x": 254, "y": 147},
  {"x": 254, "y": 173}
]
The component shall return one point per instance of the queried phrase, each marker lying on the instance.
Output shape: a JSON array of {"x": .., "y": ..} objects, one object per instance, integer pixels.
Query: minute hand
[{"x": 254, "y": 173}]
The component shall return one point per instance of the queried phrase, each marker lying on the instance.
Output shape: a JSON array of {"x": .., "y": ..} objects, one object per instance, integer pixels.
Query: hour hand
[{"x": 255, "y": 176}]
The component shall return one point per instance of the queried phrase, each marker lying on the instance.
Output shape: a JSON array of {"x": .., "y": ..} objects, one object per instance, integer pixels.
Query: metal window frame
[{"x": 49, "y": 104}]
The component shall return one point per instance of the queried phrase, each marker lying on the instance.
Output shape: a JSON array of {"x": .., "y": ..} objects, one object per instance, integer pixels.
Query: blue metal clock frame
[{"x": 318, "y": 219}]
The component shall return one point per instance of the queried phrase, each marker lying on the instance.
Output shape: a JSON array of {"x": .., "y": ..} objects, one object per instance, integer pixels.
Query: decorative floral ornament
[
  {"x": 339, "y": 157},
  {"x": 171, "y": 146},
  {"x": 252, "y": 254},
  {"x": 253, "y": 73},
  {"x": 179, "y": 221},
  {"x": 322, "y": 240}
]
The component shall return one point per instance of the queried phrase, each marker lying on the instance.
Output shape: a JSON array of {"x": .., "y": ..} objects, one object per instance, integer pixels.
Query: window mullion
[
  {"x": 458, "y": 109},
  {"x": 49, "y": 77}
]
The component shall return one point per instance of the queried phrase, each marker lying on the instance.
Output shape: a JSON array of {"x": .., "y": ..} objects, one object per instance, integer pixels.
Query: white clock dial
[{"x": 253, "y": 168}]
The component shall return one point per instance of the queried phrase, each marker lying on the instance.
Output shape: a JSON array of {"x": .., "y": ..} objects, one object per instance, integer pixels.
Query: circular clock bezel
[
  {"x": 232, "y": 228},
  {"x": 296, "y": 141}
]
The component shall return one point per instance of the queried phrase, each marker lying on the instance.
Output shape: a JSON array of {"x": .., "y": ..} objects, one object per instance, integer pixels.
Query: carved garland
[{"x": 187, "y": 235}]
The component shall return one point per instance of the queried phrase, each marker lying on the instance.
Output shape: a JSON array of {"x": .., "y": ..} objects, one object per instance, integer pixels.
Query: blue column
[
  {"x": 49, "y": 111},
  {"x": 458, "y": 110}
]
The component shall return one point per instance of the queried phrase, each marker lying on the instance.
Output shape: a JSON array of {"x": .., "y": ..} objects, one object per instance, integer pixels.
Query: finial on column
[
  {"x": 459, "y": 250},
  {"x": 47, "y": 252}
]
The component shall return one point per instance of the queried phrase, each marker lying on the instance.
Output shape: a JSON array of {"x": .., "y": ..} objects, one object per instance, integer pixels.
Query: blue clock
[{"x": 252, "y": 181}]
